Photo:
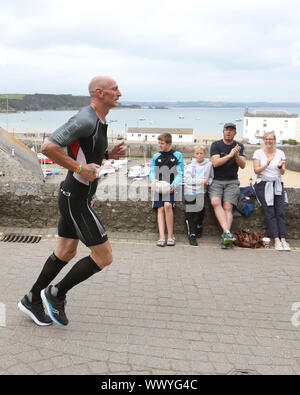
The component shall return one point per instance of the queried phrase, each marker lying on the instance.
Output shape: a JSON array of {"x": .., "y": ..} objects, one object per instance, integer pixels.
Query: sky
[{"x": 157, "y": 50}]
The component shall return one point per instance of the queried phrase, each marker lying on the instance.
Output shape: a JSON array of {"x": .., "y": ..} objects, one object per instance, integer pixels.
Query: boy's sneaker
[
  {"x": 193, "y": 240},
  {"x": 55, "y": 306},
  {"x": 34, "y": 310},
  {"x": 227, "y": 237}
]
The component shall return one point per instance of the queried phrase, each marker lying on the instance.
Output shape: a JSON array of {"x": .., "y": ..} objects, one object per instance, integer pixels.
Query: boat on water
[
  {"x": 47, "y": 172},
  {"x": 111, "y": 166},
  {"x": 139, "y": 172},
  {"x": 238, "y": 119},
  {"x": 50, "y": 172},
  {"x": 44, "y": 159}
]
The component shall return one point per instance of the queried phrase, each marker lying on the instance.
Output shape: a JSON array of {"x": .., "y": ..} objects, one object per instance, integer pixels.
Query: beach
[{"x": 291, "y": 179}]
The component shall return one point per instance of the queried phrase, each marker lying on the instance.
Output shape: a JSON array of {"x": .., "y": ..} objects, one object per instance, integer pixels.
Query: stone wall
[{"x": 35, "y": 205}]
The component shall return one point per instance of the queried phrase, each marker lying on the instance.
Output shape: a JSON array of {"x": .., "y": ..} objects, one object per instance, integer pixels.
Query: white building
[
  {"x": 151, "y": 134},
  {"x": 286, "y": 126}
]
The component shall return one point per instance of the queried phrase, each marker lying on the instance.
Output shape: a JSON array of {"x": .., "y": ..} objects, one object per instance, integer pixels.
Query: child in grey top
[{"x": 198, "y": 176}]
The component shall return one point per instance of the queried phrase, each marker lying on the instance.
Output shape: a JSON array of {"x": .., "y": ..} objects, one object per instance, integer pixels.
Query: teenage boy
[
  {"x": 166, "y": 165},
  {"x": 227, "y": 157}
]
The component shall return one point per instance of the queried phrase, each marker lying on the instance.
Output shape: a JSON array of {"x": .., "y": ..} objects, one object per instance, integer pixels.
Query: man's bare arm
[{"x": 59, "y": 156}]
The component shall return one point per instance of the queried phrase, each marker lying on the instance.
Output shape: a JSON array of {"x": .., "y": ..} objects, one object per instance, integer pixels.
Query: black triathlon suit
[{"x": 85, "y": 137}]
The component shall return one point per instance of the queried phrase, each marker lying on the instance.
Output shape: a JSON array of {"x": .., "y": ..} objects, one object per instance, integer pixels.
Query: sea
[{"x": 204, "y": 121}]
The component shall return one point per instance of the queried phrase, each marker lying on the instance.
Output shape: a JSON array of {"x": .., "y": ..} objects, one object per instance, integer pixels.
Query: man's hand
[
  {"x": 118, "y": 151},
  {"x": 90, "y": 171},
  {"x": 237, "y": 149}
]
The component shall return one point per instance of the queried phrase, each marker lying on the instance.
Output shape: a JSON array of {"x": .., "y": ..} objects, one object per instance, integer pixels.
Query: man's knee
[
  {"x": 107, "y": 259},
  {"x": 102, "y": 255},
  {"x": 215, "y": 202},
  {"x": 228, "y": 206},
  {"x": 66, "y": 254}
]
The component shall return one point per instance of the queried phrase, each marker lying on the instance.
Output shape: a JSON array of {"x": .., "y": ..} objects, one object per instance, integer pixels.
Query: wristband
[{"x": 79, "y": 168}]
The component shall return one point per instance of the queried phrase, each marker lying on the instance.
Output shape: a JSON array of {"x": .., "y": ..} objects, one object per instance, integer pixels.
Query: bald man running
[{"x": 85, "y": 137}]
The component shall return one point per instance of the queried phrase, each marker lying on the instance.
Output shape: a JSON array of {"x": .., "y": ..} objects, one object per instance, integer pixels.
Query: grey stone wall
[{"x": 35, "y": 205}]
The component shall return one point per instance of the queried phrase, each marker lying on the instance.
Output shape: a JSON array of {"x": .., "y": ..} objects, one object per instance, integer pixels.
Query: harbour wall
[
  {"x": 34, "y": 205},
  {"x": 147, "y": 150}
]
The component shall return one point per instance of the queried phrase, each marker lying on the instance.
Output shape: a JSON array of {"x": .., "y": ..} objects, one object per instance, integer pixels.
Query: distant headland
[{"x": 40, "y": 102}]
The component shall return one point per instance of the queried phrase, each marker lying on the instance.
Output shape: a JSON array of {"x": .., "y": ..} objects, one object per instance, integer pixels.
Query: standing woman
[{"x": 269, "y": 165}]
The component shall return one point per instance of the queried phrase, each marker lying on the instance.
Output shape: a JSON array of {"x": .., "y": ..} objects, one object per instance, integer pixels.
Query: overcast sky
[{"x": 230, "y": 50}]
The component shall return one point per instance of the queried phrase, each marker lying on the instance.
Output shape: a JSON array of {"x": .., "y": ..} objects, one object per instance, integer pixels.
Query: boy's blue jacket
[{"x": 167, "y": 166}]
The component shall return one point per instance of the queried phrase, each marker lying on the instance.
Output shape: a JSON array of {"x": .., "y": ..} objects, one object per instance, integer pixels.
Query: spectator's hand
[
  {"x": 205, "y": 182},
  {"x": 232, "y": 153},
  {"x": 281, "y": 163},
  {"x": 237, "y": 149},
  {"x": 268, "y": 162},
  {"x": 118, "y": 151},
  {"x": 172, "y": 189},
  {"x": 153, "y": 182}
]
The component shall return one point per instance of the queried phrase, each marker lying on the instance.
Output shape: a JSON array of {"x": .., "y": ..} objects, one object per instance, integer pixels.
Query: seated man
[{"x": 227, "y": 156}]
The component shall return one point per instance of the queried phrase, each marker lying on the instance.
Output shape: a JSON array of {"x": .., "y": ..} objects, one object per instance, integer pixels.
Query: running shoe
[
  {"x": 55, "y": 306},
  {"x": 227, "y": 237},
  {"x": 225, "y": 246},
  {"x": 34, "y": 310}
]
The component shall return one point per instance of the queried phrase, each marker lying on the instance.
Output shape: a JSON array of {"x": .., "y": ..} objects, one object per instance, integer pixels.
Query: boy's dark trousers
[{"x": 194, "y": 213}]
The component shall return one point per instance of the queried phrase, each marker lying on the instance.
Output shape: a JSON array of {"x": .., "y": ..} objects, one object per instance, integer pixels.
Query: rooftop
[{"x": 270, "y": 114}]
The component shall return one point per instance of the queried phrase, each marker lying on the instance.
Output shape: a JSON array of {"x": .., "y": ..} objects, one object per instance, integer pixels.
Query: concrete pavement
[{"x": 172, "y": 310}]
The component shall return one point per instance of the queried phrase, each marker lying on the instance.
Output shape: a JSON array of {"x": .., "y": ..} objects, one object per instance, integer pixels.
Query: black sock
[
  {"x": 52, "y": 267},
  {"x": 81, "y": 271}
]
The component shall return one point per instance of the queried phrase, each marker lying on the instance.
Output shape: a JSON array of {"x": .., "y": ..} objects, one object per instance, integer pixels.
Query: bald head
[{"x": 100, "y": 81}]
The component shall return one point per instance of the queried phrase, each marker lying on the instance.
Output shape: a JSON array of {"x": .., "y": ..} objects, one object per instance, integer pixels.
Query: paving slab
[{"x": 173, "y": 310}]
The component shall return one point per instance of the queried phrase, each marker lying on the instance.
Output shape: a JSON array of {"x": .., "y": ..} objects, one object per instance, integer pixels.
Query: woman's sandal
[
  {"x": 161, "y": 243},
  {"x": 171, "y": 242}
]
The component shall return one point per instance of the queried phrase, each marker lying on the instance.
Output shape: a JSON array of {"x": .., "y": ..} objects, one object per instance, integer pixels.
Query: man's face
[
  {"x": 163, "y": 146},
  {"x": 110, "y": 94},
  {"x": 229, "y": 134}
]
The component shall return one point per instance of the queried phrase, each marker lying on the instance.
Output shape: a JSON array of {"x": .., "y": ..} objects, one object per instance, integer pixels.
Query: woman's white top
[{"x": 272, "y": 170}]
